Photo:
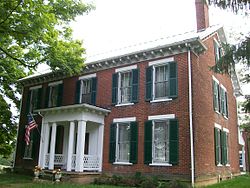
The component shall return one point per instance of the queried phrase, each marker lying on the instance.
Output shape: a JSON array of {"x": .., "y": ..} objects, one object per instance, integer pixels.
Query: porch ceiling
[{"x": 75, "y": 108}]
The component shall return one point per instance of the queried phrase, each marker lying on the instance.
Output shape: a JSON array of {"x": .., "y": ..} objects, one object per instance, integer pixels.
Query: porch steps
[{"x": 74, "y": 177}]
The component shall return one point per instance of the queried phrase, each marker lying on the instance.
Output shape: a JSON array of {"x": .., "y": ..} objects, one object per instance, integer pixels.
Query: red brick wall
[{"x": 204, "y": 116}]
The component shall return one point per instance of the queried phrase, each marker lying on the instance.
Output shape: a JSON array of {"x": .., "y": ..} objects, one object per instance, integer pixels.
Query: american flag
[{"x": 31, "y": 125}]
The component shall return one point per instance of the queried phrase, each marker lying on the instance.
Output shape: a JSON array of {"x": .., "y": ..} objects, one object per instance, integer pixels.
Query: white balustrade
[
  {"x": 73, "y": 162},
  {"x": 59, "y": 159},
  {"x": 46, "y": 164},
  {"x": 91, "y": 162}
]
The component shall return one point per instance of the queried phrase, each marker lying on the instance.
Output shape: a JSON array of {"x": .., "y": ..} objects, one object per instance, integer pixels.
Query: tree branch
[
  {"x": 20, "y": 61},
  {"x": 11, "y": 12}
]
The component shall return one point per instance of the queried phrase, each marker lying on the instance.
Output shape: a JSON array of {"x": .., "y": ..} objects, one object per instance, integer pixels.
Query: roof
[{"x": 164, "y": 46}]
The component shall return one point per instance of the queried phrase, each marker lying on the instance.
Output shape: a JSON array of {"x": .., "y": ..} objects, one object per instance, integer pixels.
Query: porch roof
[{"x": 75, "y": 107}]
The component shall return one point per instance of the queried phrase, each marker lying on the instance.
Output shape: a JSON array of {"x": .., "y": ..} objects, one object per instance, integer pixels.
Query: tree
[
  {"x": 235, "y": 53},
  {"x": 33, "y": 32}
]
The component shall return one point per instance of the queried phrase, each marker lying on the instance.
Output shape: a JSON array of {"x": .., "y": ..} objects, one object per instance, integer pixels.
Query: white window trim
[
  {"x": 122, "y": 163},
  {"x": 223, "y": 87},
  {"x": 123, "y": 69},
  {"x": 125, "y": 104},
  {"x": 161, "y": 61},
  {"x": 161, "y": 100},
  {"x": 161, "y": 117},
  {"x": 215, "y": 79},
  {"x": 160, "y": 164},
  {"x": 35, "y": 87},
  {"x": 87, "y": 76},
  {"x": 55, "y": 83},
  {"x": 225, "y": 130},
  {"x": 124, "y": 120},
  {"x": 217, "y": 126}
]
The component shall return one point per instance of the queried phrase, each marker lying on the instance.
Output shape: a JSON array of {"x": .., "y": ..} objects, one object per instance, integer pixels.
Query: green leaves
[{"x": 34, "y": 32}]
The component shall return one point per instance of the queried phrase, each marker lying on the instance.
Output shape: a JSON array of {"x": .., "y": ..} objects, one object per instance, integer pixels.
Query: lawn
[{"x": 22, "y": 181}]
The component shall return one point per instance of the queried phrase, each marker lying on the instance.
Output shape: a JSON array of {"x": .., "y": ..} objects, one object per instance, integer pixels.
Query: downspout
[{"x": 191, "y": 116}]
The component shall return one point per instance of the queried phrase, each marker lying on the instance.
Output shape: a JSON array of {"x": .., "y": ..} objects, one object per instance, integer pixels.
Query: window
[
  {"x": 86, "y": 90},
  {"x": 34, "y": 98},
  {"x": 54, "y": 94},
  {"x": 161, "y": 142},
  {"x": 161, "y": 81},
  {"x": 125, "y": 86},
  {"x": 29, "y": 148},
  {"x": 221, "y": 147},
  {"x": 217, "y": 51},
  {"x": 123, "y": 142},
  {"x": 220, "y": 101}
]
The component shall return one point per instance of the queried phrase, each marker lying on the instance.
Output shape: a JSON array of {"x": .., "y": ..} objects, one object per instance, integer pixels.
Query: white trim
[
  {"x": 217, "y": 41},
  {"x": 227, "y": 164},
  {"x": 217, "y": 126},
  {"x": 123, "y": 163},
  {"x": 160, "y": 164},
  {"x": 126, "y": 68},
  {"x": 125, "y": 104},
  {"x": 126, "y": 119},
  {"x": 161, "y": 100},
  {"x": 225, "y": 130},
  {"x": 87, "y": 76},
  {"x": 161, "y": 61},
  {"x": 35, "y": 87},
  {"x": 55, "y": 83},
  {"x": 215, "y": 79},
  {"x": 165, "y": 116},
  {"x": 223, "y": 87}
]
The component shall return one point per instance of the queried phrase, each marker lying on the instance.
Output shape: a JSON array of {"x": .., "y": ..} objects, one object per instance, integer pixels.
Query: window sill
[
  {"x": 160, "y": 164},
  {"x": 123, "y": 163},
  {"x": 227, "y": 165},
  {"x": 225, "y": 117},
  {"x": 27, "y": 158},
  {"x": 217, "y": 112},
  {"x": 219, "y": 165},
  {"x": 124, "y": 104},
  {"x": 160, "y": 100}
]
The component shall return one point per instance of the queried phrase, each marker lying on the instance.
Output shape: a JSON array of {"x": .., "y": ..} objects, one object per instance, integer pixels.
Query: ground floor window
[{"x": 221, "y": 147}]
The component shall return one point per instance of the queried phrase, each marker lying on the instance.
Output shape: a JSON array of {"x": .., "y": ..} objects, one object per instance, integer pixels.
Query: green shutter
[
  {"x": 217, "y": 146},
  {"x": 148, "y": 142},
  {"x": 112, "y": 143},
  {"x": 133, "y": 142},
  {"x": 28, "y": 102},
  {"x": 47, "y": 97},
  {"x": 215, "y": 98},
  {"x": 114, "y": 88},
  {"x": 60, "y": 94},
  {"x": 40, "y": 90},
  {"x": 77, "y": 92},
  {"x": 173, "y": 83},
  {"x": 223, "y": 149},
  {"x": 93, "y": 92},
  {"x": 135, "y": 85},
  {"x": 216, "y": 52},
  {"x": 226, "y": 148},
  {"x": 226, "y": 105},
  {"x": 222, "y": 100},
  {"x": 173, "y": 142},
  {"x": 149, "y": 84}
]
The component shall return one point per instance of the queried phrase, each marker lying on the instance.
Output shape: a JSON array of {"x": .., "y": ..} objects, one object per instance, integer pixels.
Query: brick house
[{"x": 155, "y": 109}]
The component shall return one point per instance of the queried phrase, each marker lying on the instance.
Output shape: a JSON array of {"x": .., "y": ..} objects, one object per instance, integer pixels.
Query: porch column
[
  {"x": 80, "y": 145},
  {"x": 45, "y": 143},
  {"x": 100, "y": 145},
  {"x": 41, "y": 148},
  {"x": 52, "y": 147},
  {"x": 70, "y": 145}
]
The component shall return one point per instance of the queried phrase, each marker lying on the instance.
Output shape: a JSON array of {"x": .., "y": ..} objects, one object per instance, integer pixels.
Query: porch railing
[{"x": 90, "y": 162}]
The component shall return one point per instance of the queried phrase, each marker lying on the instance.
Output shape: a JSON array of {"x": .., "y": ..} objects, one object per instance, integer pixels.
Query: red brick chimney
[{"x": 202, "y": 16}]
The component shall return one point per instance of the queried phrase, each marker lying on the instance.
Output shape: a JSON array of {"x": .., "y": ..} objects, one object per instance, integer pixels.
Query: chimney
[{"x": 202, "y": 16}]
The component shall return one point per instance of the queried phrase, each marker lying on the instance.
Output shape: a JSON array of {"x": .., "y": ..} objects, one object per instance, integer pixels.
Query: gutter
[{"x": 191, "y": 116}]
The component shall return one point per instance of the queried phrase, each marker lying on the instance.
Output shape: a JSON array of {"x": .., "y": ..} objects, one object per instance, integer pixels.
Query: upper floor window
[
  {"x": 161, "y": 80},
  {"x": 125, "y": 85},
  {"x": 34, "y": 99},
  {"x": 123, "y": 142},
  {"x": 220, "y": 100},
  {"x": 54, "y": 94},
  {"x": 86, "y": 89},
  {"x": 217, "y": 51},
  {"x": 161, "y": 142}
]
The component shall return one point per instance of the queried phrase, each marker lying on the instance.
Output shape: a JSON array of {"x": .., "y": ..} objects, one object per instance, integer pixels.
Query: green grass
[
  {"x": 12, "y": 180},
  {"x": 237, "y": 182}
]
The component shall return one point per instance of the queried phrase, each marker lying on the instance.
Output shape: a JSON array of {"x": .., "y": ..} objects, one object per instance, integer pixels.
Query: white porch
[{"x": 72, "y": 138}]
